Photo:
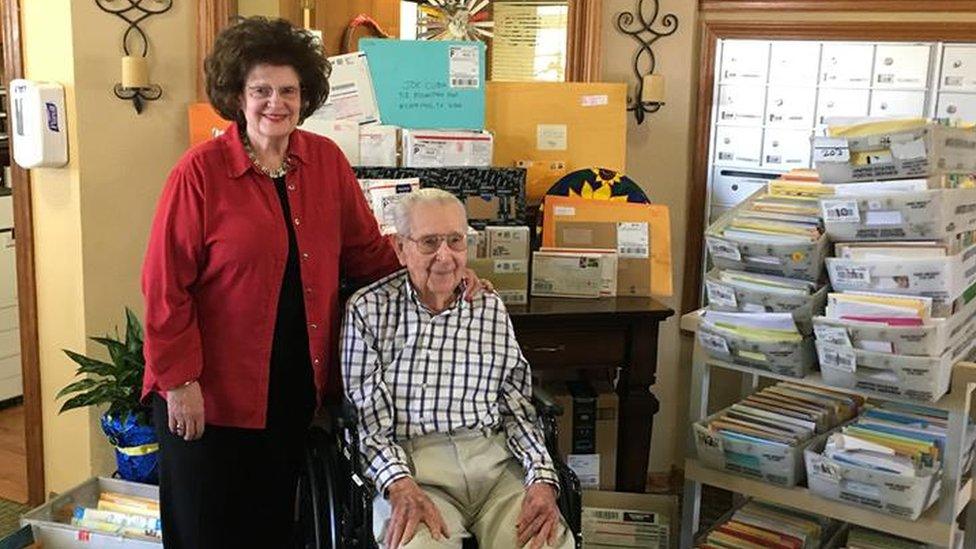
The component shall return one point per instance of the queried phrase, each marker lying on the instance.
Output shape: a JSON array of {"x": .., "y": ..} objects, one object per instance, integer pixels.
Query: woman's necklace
[{"x": 280, "y": 171}]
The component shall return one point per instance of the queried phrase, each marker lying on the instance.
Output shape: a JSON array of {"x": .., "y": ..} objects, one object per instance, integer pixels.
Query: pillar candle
[
  {"x": 135, "y": 72},
  {"x": 653, "y": 91}
]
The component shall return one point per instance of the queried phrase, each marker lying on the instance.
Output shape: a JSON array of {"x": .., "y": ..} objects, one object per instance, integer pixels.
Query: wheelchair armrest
[
  {"x": 545, "y": 404},
  {"x": 347, "y": 417}
]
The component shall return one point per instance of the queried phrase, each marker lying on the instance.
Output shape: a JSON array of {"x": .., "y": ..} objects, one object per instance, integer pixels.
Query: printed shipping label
[
  {"x": 723, "y": 249},
  {"x": 844, "y": 211},
  {"x": 855, "y": 276},
  {"x": 464, "y": 67},
  {"x": 831, "y": 149},
  {"x": 714, "y": 343},
  {"x": 844, "y": 359},
  {"x": 835, "y": 335},
  {"x": 632, "y": 240},
  {"x": 720, "y": 294}
]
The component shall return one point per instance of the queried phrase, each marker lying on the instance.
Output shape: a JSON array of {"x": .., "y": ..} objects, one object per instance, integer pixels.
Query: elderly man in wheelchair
[{"x": 445, "y": 423}]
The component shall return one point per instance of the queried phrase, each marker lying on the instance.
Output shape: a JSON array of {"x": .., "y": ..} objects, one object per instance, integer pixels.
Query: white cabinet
[
  {"x": 961, "y": 106},
  {"x": 897, "y": 103},
  {"x": 741, "y": 105},
  {"x": 10, "y": 374},
  {"x": 731, "y": 186},
  {"x": 791, "y": 107},
  {"x": 744, "y": 61},
  {"x": 738, "y": 146},
  {"x": 958, "y": 68},
  {"x": 846, "y": 65},
  {"x": 835, "y": 102},
  {"x": 901, "y": 66},
  {"x": 786, "y": 149},
  {"x": 794, "y": 63}
]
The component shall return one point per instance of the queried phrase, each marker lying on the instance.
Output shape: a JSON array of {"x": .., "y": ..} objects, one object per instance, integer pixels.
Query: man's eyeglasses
[
  {"x": 429, "y": 244},
  {"x": 265, "y": 92}
]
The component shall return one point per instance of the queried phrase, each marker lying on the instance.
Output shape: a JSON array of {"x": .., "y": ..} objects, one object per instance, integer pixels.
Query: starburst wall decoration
[{"x": 455, "y": 20}]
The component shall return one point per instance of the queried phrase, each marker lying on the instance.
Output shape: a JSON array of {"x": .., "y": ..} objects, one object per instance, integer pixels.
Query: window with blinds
[{"x": 530, "y": 41}]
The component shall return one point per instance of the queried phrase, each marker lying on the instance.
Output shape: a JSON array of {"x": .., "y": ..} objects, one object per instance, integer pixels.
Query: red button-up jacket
[{"x": 215, "y": 262}]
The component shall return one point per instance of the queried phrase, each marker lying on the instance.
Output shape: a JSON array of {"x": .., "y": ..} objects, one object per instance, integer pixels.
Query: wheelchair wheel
[{"x": 320, "y": 494}]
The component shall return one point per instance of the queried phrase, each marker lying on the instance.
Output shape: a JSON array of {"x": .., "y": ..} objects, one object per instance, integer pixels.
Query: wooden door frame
[
  {"x": 13, "y": 63},
  {"x": 710, "y": 33}
]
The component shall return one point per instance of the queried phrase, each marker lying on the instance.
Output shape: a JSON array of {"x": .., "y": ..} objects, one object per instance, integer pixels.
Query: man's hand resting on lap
[{"x": 411, "y": 506}]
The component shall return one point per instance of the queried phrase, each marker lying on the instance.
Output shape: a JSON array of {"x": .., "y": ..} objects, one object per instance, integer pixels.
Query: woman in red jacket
[{"x": 252, "y": 233}]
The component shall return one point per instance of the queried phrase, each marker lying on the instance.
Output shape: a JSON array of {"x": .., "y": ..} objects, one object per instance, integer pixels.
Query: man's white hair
[{"x": 402, "y": 209}]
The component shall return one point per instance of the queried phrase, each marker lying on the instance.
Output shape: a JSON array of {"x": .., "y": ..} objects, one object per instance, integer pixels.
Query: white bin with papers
[
  {"x": 898, "y": 495},
  {"x": 935, "y": 214},
  {"x": 932, "y": 339},
  {"x": 778, "y": 464},
  {"x": 944, "y": 279},
  {"x": 918, "y": 378},
  {"x": 903, "y": 153},
  {"x": 790, "y": 356},
  {"x": 802, "y": 261},
  {"x": 734, "y": 297}
]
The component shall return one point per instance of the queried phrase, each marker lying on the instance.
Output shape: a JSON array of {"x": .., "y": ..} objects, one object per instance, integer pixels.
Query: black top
[{"x": 291, "y": 388}]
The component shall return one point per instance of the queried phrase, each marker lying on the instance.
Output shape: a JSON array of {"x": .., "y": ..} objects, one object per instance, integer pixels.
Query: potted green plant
[{"x": 128, "y": 422}]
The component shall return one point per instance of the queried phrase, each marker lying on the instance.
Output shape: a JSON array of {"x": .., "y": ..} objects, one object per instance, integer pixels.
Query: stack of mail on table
[
  {"x": 765, "y": 288},
  {"x": 904, "y": 256},
  {"x": 889, "y": 460},
  {"x": 757, "y": 524},
  {"x": 764, "y": 435}
]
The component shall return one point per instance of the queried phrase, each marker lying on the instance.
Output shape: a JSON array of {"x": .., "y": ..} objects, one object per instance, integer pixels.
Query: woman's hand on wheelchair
[
  {"x": 538, "y": 522},
  {"x": 411, "y": 506}
]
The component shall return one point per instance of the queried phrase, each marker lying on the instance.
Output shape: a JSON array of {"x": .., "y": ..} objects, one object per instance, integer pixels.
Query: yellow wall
[
  {"x": 659, "y": 159},
  {"x": 91, "y": 219},
  {"x": 267, "y": 8}
]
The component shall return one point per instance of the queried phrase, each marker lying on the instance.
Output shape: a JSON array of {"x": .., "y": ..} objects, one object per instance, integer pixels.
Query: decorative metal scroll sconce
[
  {"x": 649, "y": 94},
  {"x": 135, "y": 84}
]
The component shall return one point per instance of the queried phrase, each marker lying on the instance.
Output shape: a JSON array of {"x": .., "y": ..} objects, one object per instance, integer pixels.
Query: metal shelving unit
[{"x": 938, "y": 526}]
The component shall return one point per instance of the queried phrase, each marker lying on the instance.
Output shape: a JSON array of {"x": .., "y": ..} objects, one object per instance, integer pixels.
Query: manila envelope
[{"x": 581, "y": 223}]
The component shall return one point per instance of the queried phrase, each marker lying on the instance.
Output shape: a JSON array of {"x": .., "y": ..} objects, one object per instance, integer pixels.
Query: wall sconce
[
  {"x": 649, "y": 94},
  {"x": 135, "y": 84}
]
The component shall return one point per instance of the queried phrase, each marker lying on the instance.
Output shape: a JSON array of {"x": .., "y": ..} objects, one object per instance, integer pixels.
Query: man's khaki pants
[{"x": 476, "y": 484}]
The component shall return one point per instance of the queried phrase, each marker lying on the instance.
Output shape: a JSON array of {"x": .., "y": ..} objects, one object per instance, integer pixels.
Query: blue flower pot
[{"x": 136, "y": 448}]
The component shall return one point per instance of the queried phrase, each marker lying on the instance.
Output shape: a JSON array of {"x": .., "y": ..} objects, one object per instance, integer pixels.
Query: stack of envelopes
[
  {"x": 759, "y": 525},
  {"x": 890, "y": 459},
  {"x": 766, "y": 287},
  {"x": 863, "y": 538},
  {"x": 763, "y": 436}
]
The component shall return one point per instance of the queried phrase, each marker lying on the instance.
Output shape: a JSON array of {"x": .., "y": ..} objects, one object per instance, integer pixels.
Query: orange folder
[
  {"x": 644, "y": 261},
  {"x": 205, "y": 123}
]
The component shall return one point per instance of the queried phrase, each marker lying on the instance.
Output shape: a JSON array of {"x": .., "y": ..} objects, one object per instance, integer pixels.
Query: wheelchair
[{"x": 335, "y": 499}]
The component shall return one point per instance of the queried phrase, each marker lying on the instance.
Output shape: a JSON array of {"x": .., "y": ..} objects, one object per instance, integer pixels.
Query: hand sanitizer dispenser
[{"x": 37, "y": 124}]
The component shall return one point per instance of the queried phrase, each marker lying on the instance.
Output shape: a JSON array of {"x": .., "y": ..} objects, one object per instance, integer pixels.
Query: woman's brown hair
[{"x": 259, "y": 40}]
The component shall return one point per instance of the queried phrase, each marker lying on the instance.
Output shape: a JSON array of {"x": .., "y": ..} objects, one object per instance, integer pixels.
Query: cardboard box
[
  {"x": 587, "y": 431},
  {"x": 381, "y": 194},
  {"x": 492, "y": 196},
  {"x": 477, "y": 244},
  {"x": 508, "y": 242},
  {"x": 205, "y": 123},
  {"x": 379, "y": 146},
  {"x": 627, "y": 520},
  {"x": 443, "y": 149},
  {"x": 351, "y": 95},
  {"x": 561, "y": 274},
  {"x": 901, "y": 496},
  {"x": 934, "y": 214},
  {"x": 608, "y": 284},
  {"x": 578, "y": 124},
  {"x": 640, "y": 233},
  {"x": 922, "y": 151},
  {"x": 944, "y": 279},
  {"x": 428, "y": 83},
  {"x": 345, "y": 134},
  {"x": 509, "y": 276}
]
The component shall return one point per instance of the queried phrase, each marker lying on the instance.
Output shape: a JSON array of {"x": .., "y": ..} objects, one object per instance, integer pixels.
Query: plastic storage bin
[
  {"x": 905, "y": 497},
  {"x": 787, "y": 358},
  {"x": 803, "y": 308},
  {"x": 48, "y": 520}
]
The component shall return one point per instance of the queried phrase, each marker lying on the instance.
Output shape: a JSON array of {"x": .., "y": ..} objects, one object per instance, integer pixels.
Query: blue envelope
[{"x": 427, "y": 84}]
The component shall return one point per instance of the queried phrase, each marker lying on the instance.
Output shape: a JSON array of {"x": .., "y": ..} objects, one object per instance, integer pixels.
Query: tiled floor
[{"x": 13, "y": 455}]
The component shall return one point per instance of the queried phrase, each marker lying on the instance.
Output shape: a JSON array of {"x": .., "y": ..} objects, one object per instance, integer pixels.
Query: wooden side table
[{"x": 617, "y": 333}]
